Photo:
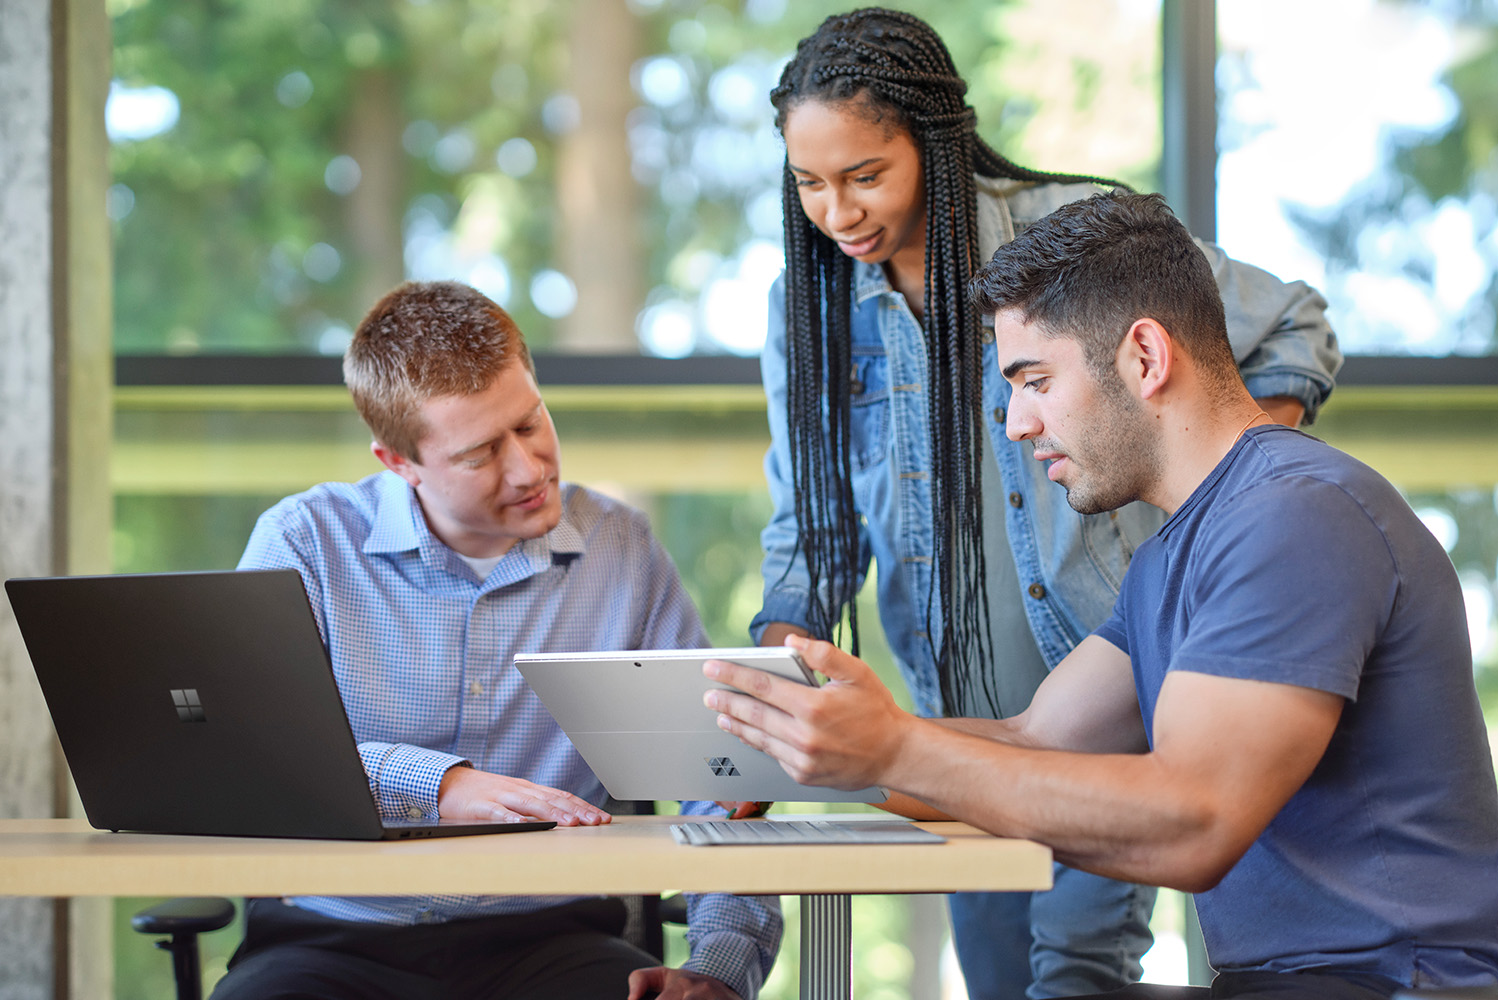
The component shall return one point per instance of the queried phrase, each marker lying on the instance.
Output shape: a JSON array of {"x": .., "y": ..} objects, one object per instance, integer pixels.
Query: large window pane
[
  {"x": 607, "y": 170},
  {"x": 1357, "y": 152}
]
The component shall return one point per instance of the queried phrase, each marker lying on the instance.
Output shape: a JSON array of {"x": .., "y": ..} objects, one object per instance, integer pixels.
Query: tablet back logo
[
  {"x": 189, "y": 708},
  {"x": 723, "y": 767}
]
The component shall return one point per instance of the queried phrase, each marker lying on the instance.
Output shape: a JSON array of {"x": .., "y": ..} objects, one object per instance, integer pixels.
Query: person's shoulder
[
  {"x": 363, "y": 494},
  {"x": 320, "y": 527},
  {"x": 589, "y": 512},
  {"x": 608, "y": 534},
  {"x": 1293, "y": 499},
  {"x": 334, "y": 504},
  {"x": 1029, "y": 201},
  {"x": 1295, "y": 481},
  {"x": 1291, "y": 456}
]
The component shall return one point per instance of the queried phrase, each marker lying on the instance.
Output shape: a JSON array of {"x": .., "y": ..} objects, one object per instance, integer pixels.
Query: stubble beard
[{"x": 1117, "y": 458}]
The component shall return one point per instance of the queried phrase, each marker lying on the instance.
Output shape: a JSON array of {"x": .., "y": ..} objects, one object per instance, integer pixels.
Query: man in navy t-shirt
[{"x": 1279, "y": 717}]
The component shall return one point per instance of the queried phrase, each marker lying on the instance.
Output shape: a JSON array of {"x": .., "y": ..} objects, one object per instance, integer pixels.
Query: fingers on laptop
[
  {"x": 538, "y": 801},
  {"x": 473, "y": 794}
]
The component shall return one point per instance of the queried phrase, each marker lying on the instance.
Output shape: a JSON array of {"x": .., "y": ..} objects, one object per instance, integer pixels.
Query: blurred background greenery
[{"x": 607, "y": 170}]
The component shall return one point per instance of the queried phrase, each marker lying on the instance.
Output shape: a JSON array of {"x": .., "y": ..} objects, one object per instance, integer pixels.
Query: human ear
[
  {"x": 396, "y": 462},
  {"x": 1145, "y": 357}
]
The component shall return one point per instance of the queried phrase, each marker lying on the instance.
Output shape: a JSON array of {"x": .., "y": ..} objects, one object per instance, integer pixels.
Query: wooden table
[{"x": 634, "y": 855}]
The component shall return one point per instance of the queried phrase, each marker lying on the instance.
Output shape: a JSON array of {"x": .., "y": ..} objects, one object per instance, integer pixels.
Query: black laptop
[{"x": 203, "y": 703}]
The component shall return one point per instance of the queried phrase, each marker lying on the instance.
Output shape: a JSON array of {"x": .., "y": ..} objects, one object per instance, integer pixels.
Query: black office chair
[
  {"x": 187, "y": 917},
  {"x": 184, "y": 919},
  {"x": 646, "y": 915}
]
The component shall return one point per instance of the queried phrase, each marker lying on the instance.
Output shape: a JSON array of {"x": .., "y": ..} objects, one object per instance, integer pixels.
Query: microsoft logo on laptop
[
  {"x": 723, "y": 767},
  {"x": 189, "y": 708}
]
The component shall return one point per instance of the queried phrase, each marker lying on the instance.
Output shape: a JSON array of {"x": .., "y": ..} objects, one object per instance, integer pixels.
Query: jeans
[{"x": 1086, "y": 935}]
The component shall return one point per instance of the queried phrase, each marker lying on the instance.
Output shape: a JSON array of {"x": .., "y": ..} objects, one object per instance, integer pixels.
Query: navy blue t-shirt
[{"x": 1295, "y": 564}]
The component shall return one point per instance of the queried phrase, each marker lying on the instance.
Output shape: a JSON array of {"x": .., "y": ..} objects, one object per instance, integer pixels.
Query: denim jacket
[{"x": 1069, "y": 565}]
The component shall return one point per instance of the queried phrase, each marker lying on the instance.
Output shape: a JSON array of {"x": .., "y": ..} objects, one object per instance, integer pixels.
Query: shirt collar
[
  {"x": 1211, "y": 481},
  {"x": 565, "y": 540},
  {"x": 398, "y": 517},
  {"x": 399, "y": 526}
]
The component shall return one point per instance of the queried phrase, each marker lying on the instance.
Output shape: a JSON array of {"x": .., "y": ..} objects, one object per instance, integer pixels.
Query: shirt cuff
[
  {"x": 782, "y": 605},
  {"x": 405, "y": 779},
  {"x": 730, "y": 957}
]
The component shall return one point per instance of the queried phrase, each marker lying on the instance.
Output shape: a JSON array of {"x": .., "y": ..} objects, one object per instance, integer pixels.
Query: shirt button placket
[{"x": 474, "y": 716}]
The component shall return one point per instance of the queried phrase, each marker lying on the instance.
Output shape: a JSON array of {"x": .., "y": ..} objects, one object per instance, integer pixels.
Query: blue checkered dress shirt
[{"x": 422, "y": 649}]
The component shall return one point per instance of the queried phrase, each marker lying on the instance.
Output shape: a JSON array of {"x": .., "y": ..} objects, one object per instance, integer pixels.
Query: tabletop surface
[{"x": 632, "y": 855}]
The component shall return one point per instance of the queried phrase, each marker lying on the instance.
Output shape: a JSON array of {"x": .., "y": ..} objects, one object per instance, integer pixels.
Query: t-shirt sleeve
[
  {"x": 1287, "y": 586},
  {"x": 1113, "y": 631}
]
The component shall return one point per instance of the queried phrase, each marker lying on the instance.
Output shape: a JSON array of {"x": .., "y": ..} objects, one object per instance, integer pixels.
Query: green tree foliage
[
  {"x": 228, "y": 204},
  {"x": 325, "y": 149},
  {"x": 1376, "y": 231}
]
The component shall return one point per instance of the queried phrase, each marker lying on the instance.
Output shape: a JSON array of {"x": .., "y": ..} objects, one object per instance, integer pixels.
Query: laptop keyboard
[{"x": 720, "y": 833}]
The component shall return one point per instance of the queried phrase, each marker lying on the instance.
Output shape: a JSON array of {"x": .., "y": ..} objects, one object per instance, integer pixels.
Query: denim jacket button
[
  {"x": 999, "y": 414},
  {"x": 1015, "y": 499},
  {"x": 1037, "y": 590}
]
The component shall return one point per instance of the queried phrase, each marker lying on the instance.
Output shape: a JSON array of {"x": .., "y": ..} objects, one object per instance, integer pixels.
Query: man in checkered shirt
[{"x": 426, "y": 579}]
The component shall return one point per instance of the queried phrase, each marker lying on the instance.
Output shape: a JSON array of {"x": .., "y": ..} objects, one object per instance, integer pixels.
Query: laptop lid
[
  {"x": 202, "y": 703},
  {"x": 638, "y": 719}
]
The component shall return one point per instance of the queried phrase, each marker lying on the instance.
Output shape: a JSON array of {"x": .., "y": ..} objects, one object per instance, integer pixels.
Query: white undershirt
[{"x": 481, "y": 566}]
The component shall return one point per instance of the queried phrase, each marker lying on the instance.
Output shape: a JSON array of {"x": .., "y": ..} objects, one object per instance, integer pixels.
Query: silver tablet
[{"x": 638, "y": 719}]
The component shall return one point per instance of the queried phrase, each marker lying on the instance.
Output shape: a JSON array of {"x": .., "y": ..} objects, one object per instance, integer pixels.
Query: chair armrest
[{"x": 185, "y": 915}]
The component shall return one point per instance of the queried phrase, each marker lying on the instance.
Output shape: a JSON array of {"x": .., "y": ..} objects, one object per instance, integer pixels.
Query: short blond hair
[{"x": 423, "y": 340}]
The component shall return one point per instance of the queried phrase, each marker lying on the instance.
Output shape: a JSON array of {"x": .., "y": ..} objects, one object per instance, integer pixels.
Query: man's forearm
[
  {"x": 776, "y": 633},
  {"x": 1000, "y": 730},
  {"x": 1226, "y": 757},
  {"x": 1117, "y": 815},
  {"x": 1285, "y": 410},
  {"x": 734, "y": 938}
]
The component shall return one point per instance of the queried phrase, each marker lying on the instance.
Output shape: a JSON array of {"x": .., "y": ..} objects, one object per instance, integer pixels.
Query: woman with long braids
[{"x": 887, "y": 412}]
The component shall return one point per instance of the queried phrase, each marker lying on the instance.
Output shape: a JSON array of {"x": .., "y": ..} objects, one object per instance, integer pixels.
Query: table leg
[{"x": 827, "y": 963}]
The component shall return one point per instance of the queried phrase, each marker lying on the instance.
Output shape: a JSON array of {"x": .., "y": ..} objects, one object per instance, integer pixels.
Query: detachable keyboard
[{"x": 725, "y": 833}]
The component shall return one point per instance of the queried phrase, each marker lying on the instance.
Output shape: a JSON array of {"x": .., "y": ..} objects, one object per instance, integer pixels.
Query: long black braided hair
[{"x": 892, "y": 67}]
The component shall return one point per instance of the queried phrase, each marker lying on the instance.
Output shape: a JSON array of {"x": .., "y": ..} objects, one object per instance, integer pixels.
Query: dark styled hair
[
  {"x": 1091, "y": 269},
  {"x": 892, "y": 68},
  {"x": 423, "y": 340}
]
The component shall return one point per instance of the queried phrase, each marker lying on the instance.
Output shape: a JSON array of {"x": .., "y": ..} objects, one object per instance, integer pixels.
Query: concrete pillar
[{"x": 55, "y": 388}]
